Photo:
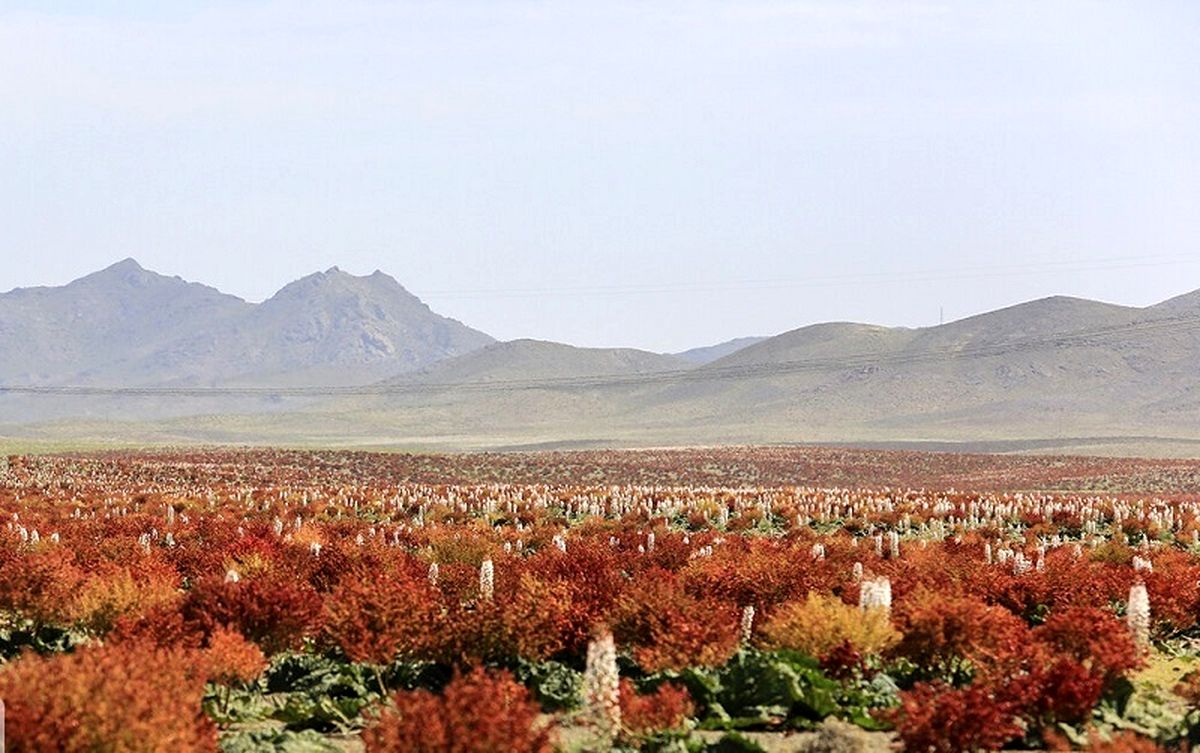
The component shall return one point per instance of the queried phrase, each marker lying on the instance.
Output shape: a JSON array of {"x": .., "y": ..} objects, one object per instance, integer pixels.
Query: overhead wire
[{"x": 854, "y": 278}]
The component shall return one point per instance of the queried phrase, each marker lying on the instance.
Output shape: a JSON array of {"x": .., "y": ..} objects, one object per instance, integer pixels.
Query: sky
[{"x": 659, "y": 175}]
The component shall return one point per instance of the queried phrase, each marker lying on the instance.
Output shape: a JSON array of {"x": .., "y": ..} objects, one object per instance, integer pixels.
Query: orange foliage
[
  {"x": 124, "y": 698},
  {"x": 480, "y": 712},
  {"x": 667, "y": 708},
  {"x": 669, "y": 629},
  {"x": 377, "y": 620},
  {"x": 230, "y": 658},
  {"x": 939, "y": 631},
  {"x": 819, "y": 624}
]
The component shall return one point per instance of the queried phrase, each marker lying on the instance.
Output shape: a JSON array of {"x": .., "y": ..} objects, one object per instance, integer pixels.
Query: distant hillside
[
  {"x": 1053, "y": 373},
  {"x": 1052, "y": 370},
  {"x": 126, "y": 326},
  {"x": 1057, "y": 366},
  {"x": 710, "y": 353},
  {"x": 540, "y": 360},
  {"x": 329, "y": 328},
  {"x": 105, "y": 328}
]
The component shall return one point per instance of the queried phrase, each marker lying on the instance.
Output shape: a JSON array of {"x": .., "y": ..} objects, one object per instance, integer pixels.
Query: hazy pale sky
[{"x": 653, "y": 174}]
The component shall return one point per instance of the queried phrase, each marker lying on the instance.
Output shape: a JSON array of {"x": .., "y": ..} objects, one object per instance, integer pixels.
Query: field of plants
[{"x": 733, "y": 599}]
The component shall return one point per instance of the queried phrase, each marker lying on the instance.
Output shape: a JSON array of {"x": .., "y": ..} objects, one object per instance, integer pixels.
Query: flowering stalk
[
  {"x": 487, "y": 580},
  {"x": 602, "y": 686},
  {"x": 747, "y": 623},
  {"x": 1137, "y": 613},
  {"x": 876, "y": 593}
]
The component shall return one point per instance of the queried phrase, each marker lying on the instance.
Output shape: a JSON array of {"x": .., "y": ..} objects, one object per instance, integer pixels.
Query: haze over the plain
[
  {"x": 128, "y": 355},
  {"x": 657, "y": 175}
]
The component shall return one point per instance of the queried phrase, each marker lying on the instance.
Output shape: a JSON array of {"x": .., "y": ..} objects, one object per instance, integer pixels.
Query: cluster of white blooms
[
  {"x": 1137, "y": 613},
  {"x": 747, "y": 623},
  {"x": 818, "y": 551},
  {"x": 487, "y": 580},
  {"x": 1142, "y": 564},
  {"x": 857, "y": 571},
  {"x": 231, "y": 576},
  {"x": 876, "y": 593},
  {"x": 601, "y": 686},
  {"x": 315, "y": 548},
  {"x": 433, "y": 574},
  {"x": 1021, "y": 564}
]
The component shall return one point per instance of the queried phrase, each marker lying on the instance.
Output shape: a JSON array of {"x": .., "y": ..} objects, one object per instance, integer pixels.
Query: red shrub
[
  {"x": 1095, "y": 638},
  {"x": 121, "y": 698},
  {"x": 936, "y": 718},
  {"x": 41, "y": 585},
  {"x": 478, "y": 712},
  {"x": 1174, "y": 589},
  {"x": 1122, "y": 742},
  {"x": 668, "y": 629},
  {"x": 844, "y": 661},
  {"x": 939, "y": 632},
  {"x": 379, "y": 619},
  {"x": 230, "y": 658},
  {"x": 1188, "y": 688},
  {"x": 540, "y": 619},
  {"x": 592, "y": 574},
  {"x": 1064, "y": 691},
  {"x": 110, "y": 592},
  {"x": 755, "y": 572},
  {"x": 164, "y": 627},
  {"x": 667, "y": 708},
  {"x": 275, "y": 614}
]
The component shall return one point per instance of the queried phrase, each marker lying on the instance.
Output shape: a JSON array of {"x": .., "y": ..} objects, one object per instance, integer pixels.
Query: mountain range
[
  {"x": 1057, "y": 372},
  {"x": 128, "y": 326}
]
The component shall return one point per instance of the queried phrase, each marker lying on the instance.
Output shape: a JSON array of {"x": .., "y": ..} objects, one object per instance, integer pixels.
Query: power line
[
  {"x": 856, "y": 278},
  {"x": 862, "y": 360}
]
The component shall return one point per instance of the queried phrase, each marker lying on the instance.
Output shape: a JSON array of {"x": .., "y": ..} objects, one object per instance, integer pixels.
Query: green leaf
[
  {"x": 231, "y": 706},
  {"x": 411, "y": 675},
  {"x": 302, "y": 711},
  {"x": 758, "y": 689},
  {"x": 734, "y": 743},
  {"x": 44, "y": 639},
  {"x": 278, "y": 740},
  {"x": 295, "y": 672},
  {"x": 555, "y": 685}
]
